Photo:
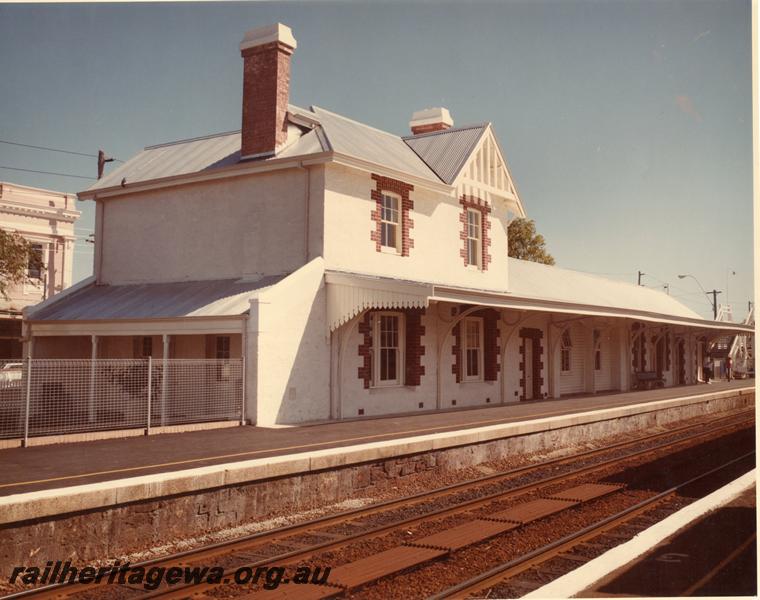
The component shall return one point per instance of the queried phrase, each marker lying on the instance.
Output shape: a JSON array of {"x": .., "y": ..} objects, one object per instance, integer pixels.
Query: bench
[{"x": 647, "y": 380}]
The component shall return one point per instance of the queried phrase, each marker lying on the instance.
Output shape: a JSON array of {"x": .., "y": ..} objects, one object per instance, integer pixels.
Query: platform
[
  {"x": 49, "y": 467},
  {"x": 683, "y": 565},
  {"x": 125, "y": 495}
]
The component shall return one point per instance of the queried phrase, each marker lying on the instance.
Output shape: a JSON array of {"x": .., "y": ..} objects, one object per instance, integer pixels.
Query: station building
[{"x": 355, "y": 271}]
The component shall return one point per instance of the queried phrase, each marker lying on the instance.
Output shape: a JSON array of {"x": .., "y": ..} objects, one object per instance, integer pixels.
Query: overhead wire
[{"x": 53, "y": 149}]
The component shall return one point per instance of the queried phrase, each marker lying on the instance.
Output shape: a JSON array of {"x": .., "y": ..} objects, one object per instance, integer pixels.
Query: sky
[{"x": 627, "y": 124}]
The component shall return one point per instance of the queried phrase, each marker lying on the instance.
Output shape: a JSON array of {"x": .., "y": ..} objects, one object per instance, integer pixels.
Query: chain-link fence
[{"x": 59, "y": 396}]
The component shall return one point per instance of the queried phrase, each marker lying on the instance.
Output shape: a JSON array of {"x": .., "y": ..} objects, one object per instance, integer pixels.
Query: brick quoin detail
[
  {"x": 365, "y": 350},
  {"x": 485, "y": 233},
  {"x": 266, "y": 83},
  {"x": 414, "y": 348},
  {"x": 386, "y": 184},
  {"x": 538, "y": 352},
  {"x": 456, "y": 350},
  {"x": 491, "y": 346}
]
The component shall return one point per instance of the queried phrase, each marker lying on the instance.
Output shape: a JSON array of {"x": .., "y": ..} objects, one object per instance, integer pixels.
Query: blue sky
[{"x": 626, "y": 124}]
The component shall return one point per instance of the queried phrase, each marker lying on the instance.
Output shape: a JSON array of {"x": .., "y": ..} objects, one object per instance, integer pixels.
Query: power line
[
  {"x": 53, "y": 149},
  {"x": 46, "y": 172}
]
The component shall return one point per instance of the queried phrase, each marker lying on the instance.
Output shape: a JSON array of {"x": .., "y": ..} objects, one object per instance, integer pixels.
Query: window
[
  {"x": 597, "y": 350},
  {"x": 567, "y": 346},
  {"x": 389, "y": 221},
  {"x": 34, "y": 266},
  {"x": 474, "y": 230},
  {"x": 223, "y": 347},
  {"x": 473, "y": 349},
  {"x": 388, "y": 345}
]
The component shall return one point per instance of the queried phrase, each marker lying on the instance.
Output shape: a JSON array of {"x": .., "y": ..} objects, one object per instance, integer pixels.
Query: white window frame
[
  {"x": 466, "y": 347},
  {"x": 566, "y": 349},
  {"x": 478, "y": 238},
  {"x": 396, "y": 248},
  {"x": 376, "y": 349}
]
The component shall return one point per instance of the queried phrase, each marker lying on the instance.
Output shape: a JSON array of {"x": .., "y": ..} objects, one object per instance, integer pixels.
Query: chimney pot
[
  {"x": 431, "y": 119},
  {"x": 266, "y": 55}
]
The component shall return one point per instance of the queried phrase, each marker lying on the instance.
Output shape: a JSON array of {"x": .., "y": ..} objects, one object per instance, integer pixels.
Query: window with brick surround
[
  {"x": 388, "y": 346},
  {"x": 146, "y": 347},
  {"x": 566, "y": 349},
  {"x": 473, "y": 349},
  {"x": 474, "y": 232},
  {"x": 390, "y": 221}
]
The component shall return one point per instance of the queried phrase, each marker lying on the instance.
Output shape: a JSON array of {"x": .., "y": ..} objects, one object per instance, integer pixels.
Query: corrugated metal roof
[
  {"x": 196, "y": 155},
  {"x": 367, "y": 143},
  {"x": 544, "y": 282},
  {"x": 436, "y": 156},
  {"x": 213, "y": 298},
  {"x": 447, "y": 151}
]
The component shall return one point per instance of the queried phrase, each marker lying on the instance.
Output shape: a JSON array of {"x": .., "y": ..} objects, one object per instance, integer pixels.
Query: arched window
[{"x": 566, "y": 347}]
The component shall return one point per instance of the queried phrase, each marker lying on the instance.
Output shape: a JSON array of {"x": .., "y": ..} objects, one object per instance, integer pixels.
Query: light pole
[{"x": 714, "y": 294}]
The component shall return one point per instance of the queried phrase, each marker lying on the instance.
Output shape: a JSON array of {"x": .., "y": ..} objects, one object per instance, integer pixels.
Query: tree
[
  {"x": 524, "y": 243},
  {"x": 18, "y": 258}
]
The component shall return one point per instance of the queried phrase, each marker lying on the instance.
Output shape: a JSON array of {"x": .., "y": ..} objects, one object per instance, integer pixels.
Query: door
[{"x": 528, "y": 371}]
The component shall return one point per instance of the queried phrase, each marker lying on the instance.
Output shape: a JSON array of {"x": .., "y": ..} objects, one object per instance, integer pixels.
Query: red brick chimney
[
  {"x": 266, "y": 82},
  {"x": 430, "y": 119}
]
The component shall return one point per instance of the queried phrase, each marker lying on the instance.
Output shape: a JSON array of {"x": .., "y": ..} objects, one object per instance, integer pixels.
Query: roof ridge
[
  {"x": 195, "y": 139},
  {"x": 398, "y": 137},
  {"x": 482, "y": 125}
]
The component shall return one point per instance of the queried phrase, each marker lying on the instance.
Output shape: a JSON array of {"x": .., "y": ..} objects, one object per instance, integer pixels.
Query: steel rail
[
  {"x": 256, "y": 539},
  {"x": 301, "y": 554},
  {"x": 527, "y": 561}
]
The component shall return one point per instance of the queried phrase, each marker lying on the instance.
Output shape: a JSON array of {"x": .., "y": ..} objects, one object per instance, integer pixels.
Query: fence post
[
  {"x": 93, "y": 376},
  {"x": 242, "y": 394},
  {"x": 27, "y": 403},
  {"x": 150, "y": 391}
]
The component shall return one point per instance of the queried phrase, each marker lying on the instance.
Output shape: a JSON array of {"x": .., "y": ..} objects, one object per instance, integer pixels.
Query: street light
[{"x": 714, "y": 294}]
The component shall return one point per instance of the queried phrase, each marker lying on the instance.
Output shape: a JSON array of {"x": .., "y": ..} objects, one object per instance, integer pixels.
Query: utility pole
[
  {"x": 715, "y": 303},
  {"x": 640, "y": 274},
  {"x": 102, "y": 160}
]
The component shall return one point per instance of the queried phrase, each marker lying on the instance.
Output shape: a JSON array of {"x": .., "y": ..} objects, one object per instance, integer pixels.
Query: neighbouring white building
[
  {"x": 46, "y": 219},
  {"x": 356, "y": 272}
]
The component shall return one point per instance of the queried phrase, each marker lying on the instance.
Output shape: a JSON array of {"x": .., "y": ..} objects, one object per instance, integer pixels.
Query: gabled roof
[
  {"x": 435, "y": 157},
  {"x": 364, "y": 142},
  {"x": 446, "y": 152},
  {"x": 213, "y": 298}
]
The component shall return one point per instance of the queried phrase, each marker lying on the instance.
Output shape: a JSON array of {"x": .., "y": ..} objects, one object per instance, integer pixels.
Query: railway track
[
  {"x": 476, "y": 494},
  {"x": 563, "y": 547}
]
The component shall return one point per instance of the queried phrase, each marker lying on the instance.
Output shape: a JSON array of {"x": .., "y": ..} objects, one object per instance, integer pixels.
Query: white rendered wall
[
  {"x": 400, "y": 399},
  {"x": 241, "y": 227},
  {"x": 435, "y": 256},
  {"x": 288, "y": 350}
]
